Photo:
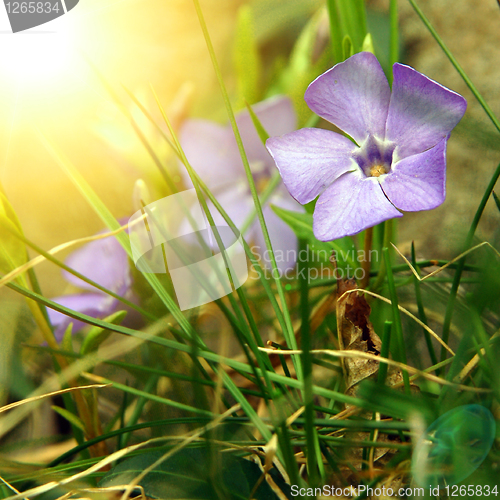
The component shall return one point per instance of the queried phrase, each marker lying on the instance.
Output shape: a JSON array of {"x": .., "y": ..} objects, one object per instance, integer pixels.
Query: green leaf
[
  {"x": 263, "y": 135},
  {"x": 497, "y": 200},
  {"x": 246, "y": 56},
  {"x": 347, "y": 18},
  {"x": 97, "y": 335},
  {"x": 70, "y": 417},
  {"x": 347, "y": 47},
  {"x": 12, "y": 250},
  {"x": 10, "y": 319},
  {"x": 301, "y": 224},
  {"x": 303, "y": 68},
  {"x": 193, "y": 474},
  {"x": 5, "y": 492},
  {"x": 368, "y": 44},
  {"x": 67, "y": 340},
  {"x": 397, "y": 404},
  {"x": 310, "y": 206}
]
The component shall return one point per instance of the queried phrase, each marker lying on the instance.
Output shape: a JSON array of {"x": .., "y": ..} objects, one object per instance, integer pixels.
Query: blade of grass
[
  {"x": 246, "y": 334},
  {"x": 288, "y": 332},
  {"x": 226, "y": 218},
  {"x": 384, "y": 353},
  {"x": 134, "y": 125},
  {"x": 335, "y": 30},
  {"x": 146, "y": 395},
  {"x": 311, "y": 437},
  {"x": 393, "y": 35},
  {"x": 145, "y": 336},
  {"x": 421, "y": 309},
  {"x": 396, "y": 317}
]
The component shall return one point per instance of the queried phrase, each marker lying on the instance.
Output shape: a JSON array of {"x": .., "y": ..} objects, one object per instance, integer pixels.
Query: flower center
[
  {"x": 374, "y": 157},
  {"x": 377, "y": 170}
]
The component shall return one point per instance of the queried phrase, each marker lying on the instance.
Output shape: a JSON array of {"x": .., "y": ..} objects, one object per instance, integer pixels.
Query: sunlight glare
[{"x": 32, "y": 58}]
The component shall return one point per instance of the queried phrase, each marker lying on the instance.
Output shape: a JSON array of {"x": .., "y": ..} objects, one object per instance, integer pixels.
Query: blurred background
[{"x": 47, "y": 85}]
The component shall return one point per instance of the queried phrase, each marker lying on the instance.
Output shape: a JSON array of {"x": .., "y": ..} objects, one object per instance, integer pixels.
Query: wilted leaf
[{"x": 355, "y": 332}]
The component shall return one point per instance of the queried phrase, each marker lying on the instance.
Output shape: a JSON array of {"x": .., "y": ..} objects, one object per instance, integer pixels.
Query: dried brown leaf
[{"x": 356, "y": 333}]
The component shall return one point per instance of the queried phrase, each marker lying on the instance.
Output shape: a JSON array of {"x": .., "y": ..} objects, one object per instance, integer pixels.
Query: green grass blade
[
  {"x": 335, "y": 30},
  {"x": 226, "y": 218},
  {"x": 384, "y": 353},
  {"x": 393, "y": 36},
  {"x": 153, "y": 397},
  {"x": 396, "y": 317},
  {"x": 242, "y": 327},
  {"x": 421, "y": 310},
  {"x": 288, "y": 332},
  {"x": 311, "y": 437}
]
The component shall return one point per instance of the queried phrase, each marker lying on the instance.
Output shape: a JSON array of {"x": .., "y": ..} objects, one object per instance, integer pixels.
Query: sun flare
[{"x": 34, "y": 57}]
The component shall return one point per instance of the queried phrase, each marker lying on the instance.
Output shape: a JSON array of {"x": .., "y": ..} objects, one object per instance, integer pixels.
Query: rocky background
[{"x": 471, "y": 30}]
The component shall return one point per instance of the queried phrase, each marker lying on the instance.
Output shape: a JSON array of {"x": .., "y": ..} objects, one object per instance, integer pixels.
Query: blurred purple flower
[
  {"x": 399, "y": 161},
  {"x": 213, "y": 153},
  {"x": 105, "y": 262}
]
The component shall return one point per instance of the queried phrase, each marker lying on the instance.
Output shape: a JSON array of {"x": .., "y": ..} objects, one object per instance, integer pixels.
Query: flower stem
[
  {"x": 393, "y": 35},
  {"x": 366, "y": 263},
  {"x": 382, "y": 271}
]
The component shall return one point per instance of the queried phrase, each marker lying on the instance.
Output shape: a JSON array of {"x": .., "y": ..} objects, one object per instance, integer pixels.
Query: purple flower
[
  {"x": 105, "y": 262},
  {"x": 213, "y": 153},
  {"x": 398, "y": 161}
]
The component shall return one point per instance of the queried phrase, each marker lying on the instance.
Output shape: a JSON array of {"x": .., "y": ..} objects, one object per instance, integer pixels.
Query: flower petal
[
  {"x": 352, "y": 203},
  {"x": 353, "y": 95},
  {"x": 419, "y": 181},
  {"x": 212, "y": 152},
  {"x": 103, "y": 261},
  {"x": 276, "y": 115},
  {"x": 97, "y": 305},
  {"x": 310, "y": 159},
  {"x": 212, "y": 149},
  {"x": 421, "y": 112}
]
